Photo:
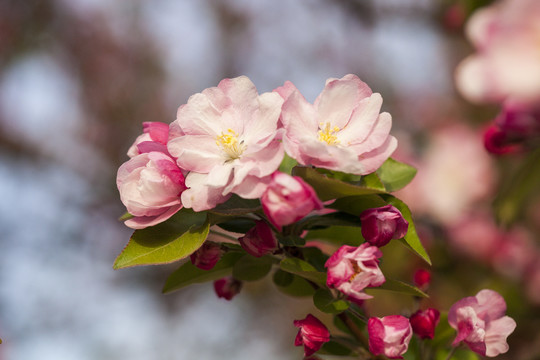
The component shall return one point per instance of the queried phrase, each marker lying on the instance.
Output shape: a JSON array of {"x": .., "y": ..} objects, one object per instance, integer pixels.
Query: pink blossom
[
  {"x": 259, "y": 240},
  {"x": 288, "y": 199},
  {"x": 341, "y": 131},
  {"x": 207, "y": 256},
  {"x": 507, "y": 61},
  {"x": 150, "y": 185},
  {"x": 380, "y": 225},
  {"x": 227, "y": 287},
  {"x": 352, "y": 269},
  {"x": 424, "y": 322},
  {"x": 312, "y": 334},
  {"x": 481, "y": 323},
  {"x": 154, "y": 138},
  {"x": 389, "y": 335},
  {"x": 422, "y": 278},
  {"x": 227, "y": 138}
]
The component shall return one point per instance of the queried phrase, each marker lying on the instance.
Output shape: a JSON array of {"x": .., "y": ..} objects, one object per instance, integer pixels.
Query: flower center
[
  {"x": 326, "y": 134},
  {"x": 356, "y": 269},
  {"x": 230, "y": 145}
]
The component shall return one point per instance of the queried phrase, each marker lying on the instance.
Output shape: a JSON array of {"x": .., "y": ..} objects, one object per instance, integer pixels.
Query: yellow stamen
[
  {"x": 326, "y": 134},
  {"x": 230, "y": 145}
]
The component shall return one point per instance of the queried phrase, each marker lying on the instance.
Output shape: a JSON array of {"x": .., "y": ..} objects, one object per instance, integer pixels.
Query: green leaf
[
  {"x": 250, "y": 268},
  {"x": 237, "y": 225},
  {"x": 395, "y": 175},
  {"x": 337, "y": 348},
  {"x": 325, "y": 301},
  {"x": 338, "y": 175},
  {"x": 324, "y": 221},
  {"x": 339, "y": 235},
  {"x": 328, "y": 188},
  {"x": 291, "y": 240},
  {"x": 411, "y": 239},
  {"x": 167, "y": 242},
  {"x": 400, "y": 287},
  {"x": 292, "y": 285},
  {"x": 372, "y": 181},
  {"x": 287, "y": 164},
  {"x": 125, "y": 217},
  {"x": 304, "y": 269},
  {"x": 355, "y": 205},
  {"x": 189, "y": 274},
  {"x": 237, "y": 206}
]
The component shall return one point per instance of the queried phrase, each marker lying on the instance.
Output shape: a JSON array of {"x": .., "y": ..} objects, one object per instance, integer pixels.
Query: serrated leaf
[
  {"x": 237, "y": 206},
  {"x": 395, "y": 175},
  {"x": 304, "y": 269},
  {"x": 400, "y": 287},
  {"x": 167, "y": 242},
  {"x": 411, "y": 239},
  {"x": 325, "y": 302},
  {"x": 250, "y": 268},
  {"x": 328, "y": 188},
  {"x": 189, "y": 274}
]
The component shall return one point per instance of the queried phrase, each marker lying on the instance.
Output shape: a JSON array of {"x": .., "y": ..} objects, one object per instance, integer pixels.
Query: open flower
[
  {"x": 341, "y": 131},
  {"x": 352, "y": 269},
  {"x": 150, "y": 185},
  {"x": 481, "y": 323},
  {"x": 312, "y": 334},
  {"x": 229, "y": 142},
  {"x": 288, "y": 199},
  {"x": 389, "y": 335}
]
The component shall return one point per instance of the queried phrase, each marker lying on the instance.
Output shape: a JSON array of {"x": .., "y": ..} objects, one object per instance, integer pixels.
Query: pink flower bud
[
  {"x": 352, "y": 269},
  {"x": 206, "y": 256},
  {"x": 380, "y": 225},
  {"x": 389, "y": 336},
  {"x": 422, "y": 278},
  {"x": 312, "y": 334},
  {"x": 259, "y": 240},
  {"x": 150, "y": 185},
  {"x": 227, "y": 287},
  {"x": 288, "y": 199},
  {"x": 481, "y": 324},
  {"x": 424, "y": 322},
  {"x": 154, "y": 138}
]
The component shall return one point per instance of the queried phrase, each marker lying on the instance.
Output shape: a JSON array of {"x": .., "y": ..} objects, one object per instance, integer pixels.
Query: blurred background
[{"x": 78, "y": 78}]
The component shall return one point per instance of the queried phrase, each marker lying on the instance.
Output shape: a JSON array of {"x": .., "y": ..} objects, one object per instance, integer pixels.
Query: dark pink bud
[
  {"x": 422, "y": 278},
  {"x": 207, "y": 256},
  {"x": 380, "y": 225},
  {"x": 496, "y": 141},
  {"x": 259, "y": 240},
  {"x": 227, "y": 287},
  {"x": 312, "y": 334},
  {"x": 424, "y": 322}
]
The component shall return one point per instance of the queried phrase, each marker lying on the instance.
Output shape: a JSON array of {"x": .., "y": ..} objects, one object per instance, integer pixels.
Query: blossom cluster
[{"x": 241, "y": 183}]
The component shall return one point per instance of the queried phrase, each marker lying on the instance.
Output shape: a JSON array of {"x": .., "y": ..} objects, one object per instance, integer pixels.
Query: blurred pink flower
[
  {"x": 422, "y": 278},
  {"x": 481, "y": 323},
  {"x": 227, "y": 287},
  {"x": 312, "y": 334},
  {"x": 154, "y": 138},
  {"x": 228, "y": 140},
  {"x": 507, "y": 61},
  {"x": 207, "y": 256},
  {"x": 341, "y": 131},
  {"x": 532, "y": 281},
  {"x": 380, "y": 225},
  {"x": 424, "y": 322},
  {"x": 515, "y": 253},
  {"x": 259, "y": 240},
  {"x": 389, "y": 335},
  {"x": 288, "y": 199},
  {"x": 352, "y": 269},
  {"x": 150, "y": 185}
]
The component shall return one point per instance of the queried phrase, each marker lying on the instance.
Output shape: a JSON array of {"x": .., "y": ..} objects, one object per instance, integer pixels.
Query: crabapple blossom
[
  {"x": 154, "y": 138},
  {"x": 227, "y": 138},
  {"x": 343, "y": 130},
  {"x": 481, "y": 323},
  {"x": 312, "y": 334},
  {"x": 207, "y": 256},
  {"x": 352, "y": 269},
  {"x": 422, "y": 278},
  {"x": 227, "y": 287},
  {"x": 424, "y": 322},
  {"x": 150, "y": 185},
  {"x": 288, "y": 199},
  {"x": 389, "y": 335},
  {"x": 259, "y": 240},
  {"x": 380, "y": 225}
]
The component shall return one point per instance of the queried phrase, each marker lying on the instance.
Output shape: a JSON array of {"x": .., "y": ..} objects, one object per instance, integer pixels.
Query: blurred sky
[{"x": 78, "y": 78}]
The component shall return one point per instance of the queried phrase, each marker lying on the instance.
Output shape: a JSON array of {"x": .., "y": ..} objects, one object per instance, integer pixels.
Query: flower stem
[
  {"x": 357, "y": 333},
  {"x": 451, "y": 353}
]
